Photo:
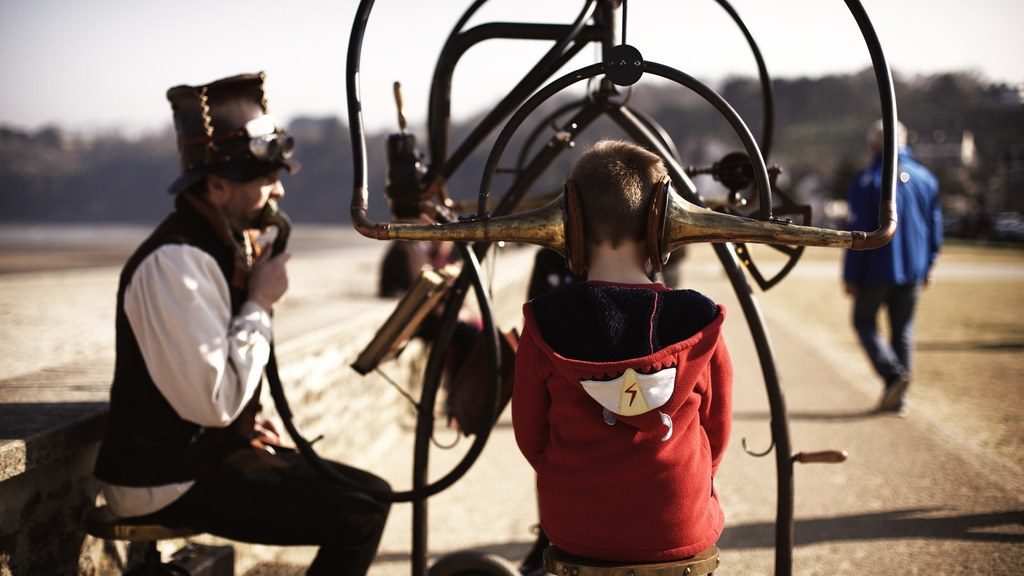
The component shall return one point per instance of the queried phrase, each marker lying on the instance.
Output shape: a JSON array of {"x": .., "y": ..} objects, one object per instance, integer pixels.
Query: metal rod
[
  {"x": 657, "y": 130},
  {"x": 777, "y": 407},
  {"x": 767, "y": 90},
  {"x": 761, "y": 179},
  {"x": 471, "y": 274},
  {"x": 544, "y": 158},
  {"x": 533, "y": 80},
  {"x": 439, "y": 105},
  {"x": 887, "y": 97},
  {"x": 524, "y": 150},
  {"x": 438, "y": 124}
]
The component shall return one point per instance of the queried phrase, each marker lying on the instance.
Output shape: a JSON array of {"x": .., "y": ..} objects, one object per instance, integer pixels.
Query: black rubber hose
[
  {"x": 539, "y": 129},
  {"x": 360, "y": 178},
  {"x": 767, "y": 89},
  {"x": 681, "y": 78},
  {"x": 440, "y": 345}
]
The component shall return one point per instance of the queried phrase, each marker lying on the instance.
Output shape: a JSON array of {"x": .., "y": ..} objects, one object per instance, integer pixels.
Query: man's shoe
[{"x": 892, "y": 397}]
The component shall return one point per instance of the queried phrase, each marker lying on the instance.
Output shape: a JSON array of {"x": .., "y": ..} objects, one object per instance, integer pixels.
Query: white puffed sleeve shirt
[{"x": 206, "y": 363}]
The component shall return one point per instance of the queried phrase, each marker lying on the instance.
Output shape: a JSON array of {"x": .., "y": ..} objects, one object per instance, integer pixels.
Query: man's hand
[
  {"x": 850, "y": 289},
  {"x": 266, "y": 432},
  {"x": 928, "y": 281},
  {"x": 269, "y": 281}
]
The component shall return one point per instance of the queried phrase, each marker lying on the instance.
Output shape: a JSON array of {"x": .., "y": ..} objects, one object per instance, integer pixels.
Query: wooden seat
[
  {"x": 101, "y": 523},
  {"x": 561, "y": 563}
]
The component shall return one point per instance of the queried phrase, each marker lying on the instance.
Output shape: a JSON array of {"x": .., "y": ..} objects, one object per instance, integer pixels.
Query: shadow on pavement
[
  {"x": 843, "y": 415},
  {"x": 898, "y": 524},
  {"x": 971, "y": 345},
  {"x": 514, "y": 552}
]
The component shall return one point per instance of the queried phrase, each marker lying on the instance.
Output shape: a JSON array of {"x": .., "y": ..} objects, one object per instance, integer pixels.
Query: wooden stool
[
  {"x": 561, "y": 563},
  {"x": 101, "y": 523}
]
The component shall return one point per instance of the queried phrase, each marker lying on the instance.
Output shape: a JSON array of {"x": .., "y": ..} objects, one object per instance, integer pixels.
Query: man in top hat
[{"x": 184, "y": 445}]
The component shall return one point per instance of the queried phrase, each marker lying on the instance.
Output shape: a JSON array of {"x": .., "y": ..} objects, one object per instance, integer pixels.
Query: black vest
[{"x": 146, "y": 442}]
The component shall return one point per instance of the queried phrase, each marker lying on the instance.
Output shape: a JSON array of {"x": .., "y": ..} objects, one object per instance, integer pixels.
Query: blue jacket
[{"x": 909, "y": 257}]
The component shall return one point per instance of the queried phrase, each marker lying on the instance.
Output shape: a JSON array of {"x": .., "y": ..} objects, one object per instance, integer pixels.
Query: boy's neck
[{"x": 623, "y": 264}]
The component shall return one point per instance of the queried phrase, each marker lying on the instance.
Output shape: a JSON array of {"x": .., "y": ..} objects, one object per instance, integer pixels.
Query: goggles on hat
[{"x": 266, "y": 142}]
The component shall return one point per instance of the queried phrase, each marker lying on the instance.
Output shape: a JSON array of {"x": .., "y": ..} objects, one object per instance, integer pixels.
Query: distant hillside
[{"x": 820, "y": 126}]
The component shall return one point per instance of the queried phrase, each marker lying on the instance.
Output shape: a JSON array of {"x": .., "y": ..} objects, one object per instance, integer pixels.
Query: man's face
[{"x": 242, "y": 202}]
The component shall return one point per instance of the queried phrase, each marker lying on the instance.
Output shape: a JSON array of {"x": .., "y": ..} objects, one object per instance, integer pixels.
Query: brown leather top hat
[{"x": 223, "y": 128}]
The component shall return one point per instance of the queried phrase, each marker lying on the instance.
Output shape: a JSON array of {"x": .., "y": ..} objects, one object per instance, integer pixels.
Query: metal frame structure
[{"x": 598, "y": 22}]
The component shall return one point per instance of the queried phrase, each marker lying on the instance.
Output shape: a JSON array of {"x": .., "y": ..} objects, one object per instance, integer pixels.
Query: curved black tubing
[
  {"x": 658, "y": 130},
  {"x": 435, "y": 122},
  {"x": 434, "y": 366},
  {"x": 471, "y": 273},
  {"x": 545, "y": 123},
  {"x": 767, "y": 90},
  {"x": 556, "y": 86},
  {"x": 440, "y": 97}
]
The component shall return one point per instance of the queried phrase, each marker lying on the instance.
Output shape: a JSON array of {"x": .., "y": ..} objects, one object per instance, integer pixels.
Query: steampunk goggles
[{"x": 266, "y": 142}]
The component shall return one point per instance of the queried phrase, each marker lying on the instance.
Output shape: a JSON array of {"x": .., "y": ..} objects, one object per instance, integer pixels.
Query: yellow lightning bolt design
[{"x": 631, "y": 396}]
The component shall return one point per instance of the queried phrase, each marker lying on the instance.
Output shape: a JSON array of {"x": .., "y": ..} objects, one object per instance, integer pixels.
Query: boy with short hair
[{"x": 623, "y": 389}]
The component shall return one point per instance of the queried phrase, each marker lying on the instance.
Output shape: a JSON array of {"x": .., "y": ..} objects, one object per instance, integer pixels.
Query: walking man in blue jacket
[{"x": 892, "y": 276}]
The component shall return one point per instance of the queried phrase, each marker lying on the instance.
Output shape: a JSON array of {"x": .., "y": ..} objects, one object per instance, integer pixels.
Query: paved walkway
[
  {"x": 912, "y": 498},
  {"x": 915, "y": 497}
]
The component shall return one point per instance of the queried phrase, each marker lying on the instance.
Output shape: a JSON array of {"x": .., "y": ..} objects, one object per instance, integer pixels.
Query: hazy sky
[{"x": 106, "y": 64}]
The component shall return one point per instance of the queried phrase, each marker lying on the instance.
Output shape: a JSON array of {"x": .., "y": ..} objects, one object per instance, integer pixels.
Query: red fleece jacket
[{"x": 625, "y": 451}]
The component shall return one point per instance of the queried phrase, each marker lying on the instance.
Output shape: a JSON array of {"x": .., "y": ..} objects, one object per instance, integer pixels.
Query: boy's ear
[{"x": 572, "y": 213}]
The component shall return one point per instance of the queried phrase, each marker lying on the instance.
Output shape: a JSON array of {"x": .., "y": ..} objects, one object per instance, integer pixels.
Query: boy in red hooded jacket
[{"x": 623, "y": 387}]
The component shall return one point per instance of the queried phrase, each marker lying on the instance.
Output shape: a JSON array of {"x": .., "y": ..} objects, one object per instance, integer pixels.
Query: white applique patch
[
  {"x": 632, "y": 393},
  {"x": 667, "y": 421}
]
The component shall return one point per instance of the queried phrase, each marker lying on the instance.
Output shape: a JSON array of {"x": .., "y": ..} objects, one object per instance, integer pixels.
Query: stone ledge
[{"x": 46, "y": 416}]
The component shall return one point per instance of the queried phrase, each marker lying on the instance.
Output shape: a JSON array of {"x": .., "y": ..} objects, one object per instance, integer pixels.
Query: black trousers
[{"x": 253, "y": 496}]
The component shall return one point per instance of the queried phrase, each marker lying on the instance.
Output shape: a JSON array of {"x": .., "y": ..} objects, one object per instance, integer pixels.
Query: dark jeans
[
  {"x": 253, "y": 496},
  {"x": 894, "y": 357}
]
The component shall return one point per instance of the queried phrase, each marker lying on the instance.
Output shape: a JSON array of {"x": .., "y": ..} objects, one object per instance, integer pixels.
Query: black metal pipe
[
  {"x": 887, "y": 97},
  {"x": 471, "y": 275},
  {"x": 490, "y": 168},
  {"x": 767, "y": 90},
  {"x": 435, "y": 123},
  {"x": 527, "y": 145},
  {"x": 554, "y": 59},
  {"x": 776, "y": 405},
  {"x": 761, "y": 179},
  {"x": 657, "y": 130},
  {"x": 358, "y": 212},
  {"x": 760, "y": 171},
  {"x": 439, "y": 105},
  {"x": 523, "y": 89},
  {"x": 606, "y": 18},
  {"x": 544, "y": 158}
]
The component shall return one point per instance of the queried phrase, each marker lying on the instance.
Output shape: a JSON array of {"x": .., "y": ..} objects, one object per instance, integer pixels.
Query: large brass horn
[
  {"x": 685, "y": 222},
  {"x": 543, "y": 227}
]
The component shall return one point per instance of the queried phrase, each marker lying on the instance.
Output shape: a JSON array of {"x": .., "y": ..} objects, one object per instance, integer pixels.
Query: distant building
[{"x": 943, "y": 152}]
